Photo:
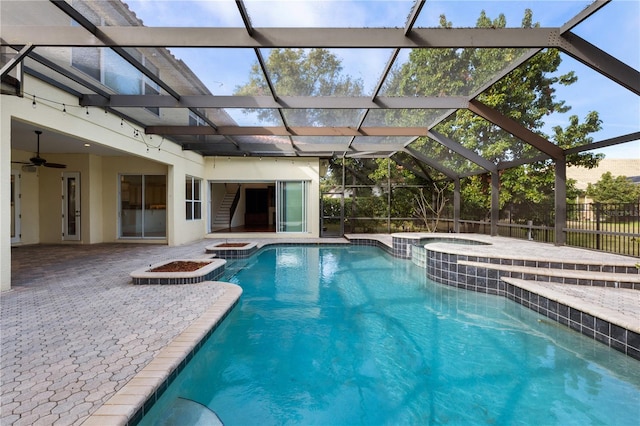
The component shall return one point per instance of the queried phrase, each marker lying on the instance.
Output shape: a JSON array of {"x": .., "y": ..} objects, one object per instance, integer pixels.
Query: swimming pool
[{"x": 351, "y": 335}]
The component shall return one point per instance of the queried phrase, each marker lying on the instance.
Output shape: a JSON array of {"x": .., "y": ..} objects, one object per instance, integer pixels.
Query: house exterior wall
[
  {"x": 95, "y": 199},
  {"x": 113, "y": 168},
  {"x": 271, "y": 169},
  {"x": 29, "y": 199},
  {"x": 41, "y": 203},
  {"x": 5, "y": 201}
]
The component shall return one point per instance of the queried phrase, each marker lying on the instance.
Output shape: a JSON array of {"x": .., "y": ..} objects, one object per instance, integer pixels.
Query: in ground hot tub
[{"x": 232, "y": 250}]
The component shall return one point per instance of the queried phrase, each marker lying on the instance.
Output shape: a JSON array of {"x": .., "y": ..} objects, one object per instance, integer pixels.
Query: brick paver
[{"x": 75, "y": 330}]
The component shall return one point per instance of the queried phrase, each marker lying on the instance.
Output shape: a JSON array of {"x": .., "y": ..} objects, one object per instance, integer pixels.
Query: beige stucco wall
[
  {"x": 29, "y": 192},
  {"x": 5, "y": 201},
  {"x": 41, "y": 203},
  {"x": 270, "y": 169},
  {"x": 95, "y": 198},
  {"x": 112, "y": 169}
]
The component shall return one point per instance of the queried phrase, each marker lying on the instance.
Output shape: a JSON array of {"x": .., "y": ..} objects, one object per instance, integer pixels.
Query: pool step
[
  {"x": 563, "y": 276},
  {"x": 609, "y": 315}
]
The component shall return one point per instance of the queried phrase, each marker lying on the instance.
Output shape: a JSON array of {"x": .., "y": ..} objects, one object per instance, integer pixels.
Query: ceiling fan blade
[
  {"x": 55, "y": 165},
  {"x": 21, "y": 162}
]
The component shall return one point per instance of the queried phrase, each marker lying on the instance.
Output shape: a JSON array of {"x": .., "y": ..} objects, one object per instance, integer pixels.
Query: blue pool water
[{"x": 352, "y": 336}]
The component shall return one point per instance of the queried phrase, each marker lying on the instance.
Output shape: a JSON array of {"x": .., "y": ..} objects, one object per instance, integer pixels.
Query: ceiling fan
[{"x": 39, "y": 161}]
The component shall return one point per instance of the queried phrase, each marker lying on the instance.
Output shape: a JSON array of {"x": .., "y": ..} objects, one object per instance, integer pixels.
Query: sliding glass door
[
  {"x": 143, "y": 206},
  {"x": 292, "y": 206}
]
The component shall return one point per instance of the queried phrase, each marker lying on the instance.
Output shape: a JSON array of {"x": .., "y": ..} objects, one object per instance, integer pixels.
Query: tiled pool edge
[
  {"x": 444, "y": 268},
  {"x": 232, "y": 253},
  {"x": 564, "y": 310},
  {"x": 129, "y": 404},
  {"x": 210, "y": 272}
]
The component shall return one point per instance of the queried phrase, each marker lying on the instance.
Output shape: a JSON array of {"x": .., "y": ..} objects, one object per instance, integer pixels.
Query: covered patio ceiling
[{"x": 34, "y": 33}]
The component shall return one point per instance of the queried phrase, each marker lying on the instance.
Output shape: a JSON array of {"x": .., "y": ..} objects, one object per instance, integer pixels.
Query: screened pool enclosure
[{"x": 439, "y": 94}]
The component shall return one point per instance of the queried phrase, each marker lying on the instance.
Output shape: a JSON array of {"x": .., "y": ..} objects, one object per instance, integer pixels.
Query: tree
[
  {"x": 610, "y": 189},
  {"x": 526, "y": 95},
  {"x": 303, "y": 72},
  {"x": 430, "y": 211}
]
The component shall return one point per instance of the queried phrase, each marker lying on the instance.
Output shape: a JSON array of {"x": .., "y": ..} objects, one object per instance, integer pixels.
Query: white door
[
  {"x": 71, "y": 206},
  {"x": 15, "y": 207}
]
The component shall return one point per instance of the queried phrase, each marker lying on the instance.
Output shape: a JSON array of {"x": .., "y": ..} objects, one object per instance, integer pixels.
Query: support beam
[
  {"x": 245, "y": 16},
  {"x": 125, "y": 54},
  {"x": 583, "y": 14},
  {"x": 430, "y": 162},
  {"x": 600, "y": 61},
  {"x": 465, "y": 152},
  {"x": 560, "y": 201},
  {"x": 495, "y": 203},
  {"x": 515, "y": 128},
  {"x": 456, "y": 205},
  {"x": 294, "y": 102},
  {"x": 285, "y": 131},
  {"x": 100, "y": 34},
  {"x": 520, "y": 161},
  {"x": 413, "y": 16},
  {"x": 411, "y": 168},
  {"x": 631, "y": 137},
  {"x": 13, "y": 62},
  {"x": 130, "y": 36}
]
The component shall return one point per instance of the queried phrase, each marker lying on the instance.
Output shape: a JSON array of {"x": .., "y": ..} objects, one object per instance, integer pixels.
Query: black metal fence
[
  {"x": 613, "y": 228},
  {"x": 361, "y": 205}
]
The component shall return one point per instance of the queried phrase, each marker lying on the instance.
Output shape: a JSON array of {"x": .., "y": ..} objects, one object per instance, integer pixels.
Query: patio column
[
  {"x": 389, "y": 196},
  {"x": 495, "y": 202},
  {"x": 456, "y": 205},
  {"x": 560, "y": 200},
  {"x": 5, "y": 202}
]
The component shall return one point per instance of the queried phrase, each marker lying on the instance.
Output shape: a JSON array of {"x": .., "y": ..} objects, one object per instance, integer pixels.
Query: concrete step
[
  {"x": 618, "y": 306},
  {"x": 565, "y": 276}
]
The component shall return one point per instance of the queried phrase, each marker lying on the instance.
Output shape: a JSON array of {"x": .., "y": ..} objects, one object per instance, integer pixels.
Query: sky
[{"x": 615, "y": 28}]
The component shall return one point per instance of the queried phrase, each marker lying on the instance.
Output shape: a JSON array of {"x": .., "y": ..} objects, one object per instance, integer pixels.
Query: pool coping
[
  {"x": 129, "y": 404},
  {"x": 222, "y": 252}
]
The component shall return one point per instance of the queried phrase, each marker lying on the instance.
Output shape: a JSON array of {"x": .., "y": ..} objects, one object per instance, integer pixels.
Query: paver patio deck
[{"x": 74, "y": 330}]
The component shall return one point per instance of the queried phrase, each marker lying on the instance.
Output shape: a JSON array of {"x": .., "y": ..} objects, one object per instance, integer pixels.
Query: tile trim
[{"x": 469, "y": 272}]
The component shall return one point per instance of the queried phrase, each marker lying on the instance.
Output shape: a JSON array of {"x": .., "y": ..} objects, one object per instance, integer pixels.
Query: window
[
  {"x": 112, "y": 70},
  {"x": 195, "y": 120},
  {"x": 120, "y": 75},
  {"x": 87, "y": 60},
  {"x": 193, "y": 199}
]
